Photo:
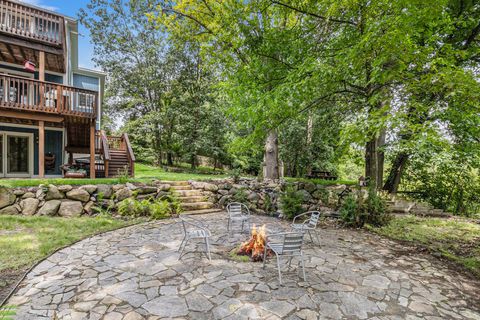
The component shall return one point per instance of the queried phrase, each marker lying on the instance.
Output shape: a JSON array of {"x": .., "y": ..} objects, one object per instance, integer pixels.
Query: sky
[{"x": 70, "y": 8}]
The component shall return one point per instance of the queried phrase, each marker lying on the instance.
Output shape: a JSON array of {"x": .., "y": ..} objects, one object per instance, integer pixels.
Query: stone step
[
  {"x": 176, "y": 183},
  {"x": 203, "y": 211},
  {"x": 188, "y": 193},
  {"x": 191, "y": 199},
  {"x": 181, "y": 187},
  {"x": 196, "y": 205}
]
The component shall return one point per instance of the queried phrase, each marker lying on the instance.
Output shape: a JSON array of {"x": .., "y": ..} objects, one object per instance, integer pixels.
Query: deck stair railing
[{"x": 108, "y": 146}]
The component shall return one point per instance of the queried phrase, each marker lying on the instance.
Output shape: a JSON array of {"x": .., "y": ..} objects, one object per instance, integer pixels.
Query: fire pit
[{"x": 255, "y": 246}]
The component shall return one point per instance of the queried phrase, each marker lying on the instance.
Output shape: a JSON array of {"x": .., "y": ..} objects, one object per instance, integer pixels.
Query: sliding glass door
[{"x": 16, "y": 154}]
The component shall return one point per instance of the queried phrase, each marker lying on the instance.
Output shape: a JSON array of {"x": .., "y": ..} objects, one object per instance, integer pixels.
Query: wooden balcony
[
  {"x": 30, "y": 23},
  {"x": 33, "y": 96}
]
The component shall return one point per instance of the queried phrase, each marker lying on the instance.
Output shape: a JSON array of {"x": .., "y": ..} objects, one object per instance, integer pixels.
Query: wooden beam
[
  {"x": 41, "y": 67},
  {"x": 30, "y": 44},
  {"x": 92, "y": 150},
  {"x": 41, "y": 149},
  {"x": 30, "y": 116}
]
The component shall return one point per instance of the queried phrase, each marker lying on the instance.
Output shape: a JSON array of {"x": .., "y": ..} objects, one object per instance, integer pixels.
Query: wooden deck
[{"x": 22, "y": 94}]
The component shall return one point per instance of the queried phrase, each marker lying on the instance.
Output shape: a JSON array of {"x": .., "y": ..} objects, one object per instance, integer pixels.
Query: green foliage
[
  {"x": 291, "y": 202},
  {"x": 123, "y": 175},
  {"x": 356, "y": 211},
  {"x": 154, "y": 208},
  {"x": 268, "y": 204},
  {"x": 240, "y": 196},
  {"x": 7, "y": 312},
  {"x": 236, "y": 174}
]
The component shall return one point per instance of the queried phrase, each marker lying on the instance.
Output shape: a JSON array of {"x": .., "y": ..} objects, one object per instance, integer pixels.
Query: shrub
[
  {"x": 355, "y": 211},
  {"x": 240, "y": 196},
  {"x": 174, "y": 204},
  {"x": 235, "y": 174},
  {"x": 291, "y": 201},
  {"x": 157, "y": 209}
]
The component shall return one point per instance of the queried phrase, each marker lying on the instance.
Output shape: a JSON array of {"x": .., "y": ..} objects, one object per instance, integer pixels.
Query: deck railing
[
  {"x": 39, "y": 96},
  {"x": 24, "y": 21}
]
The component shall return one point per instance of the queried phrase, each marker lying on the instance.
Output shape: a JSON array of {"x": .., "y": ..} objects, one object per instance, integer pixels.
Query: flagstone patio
[{"x": 134, "y": 273}]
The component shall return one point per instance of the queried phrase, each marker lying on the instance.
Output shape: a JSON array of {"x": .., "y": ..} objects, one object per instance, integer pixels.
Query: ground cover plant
[{"x": 456, "y": 239}]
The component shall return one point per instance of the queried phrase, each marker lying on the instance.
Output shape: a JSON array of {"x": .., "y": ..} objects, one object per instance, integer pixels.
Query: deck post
[
  {"x": 41, "y": 149},
  {"x": 92, "y": 149},
  {"x": 41, "y": 65}
]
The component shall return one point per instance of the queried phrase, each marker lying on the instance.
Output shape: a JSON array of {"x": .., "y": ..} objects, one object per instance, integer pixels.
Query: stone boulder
[
  {"x": 7, "y": 197},
  {"x": 163, "y": 187},
  {"x": 50, "y": 208},
  {"x": 131, "y": 186},
  {"x": 28, "y": 194},
  {"x": 210, "y": 187},
  {"x": 123, "y": 194},
  {"x": 29, "y": 206},
  {"x": 306, "y": 195},
  {"x": 90, "y": 188},
  {"x": 11, "y": 210},
  {"x": 18, "y": 192},
  {"x": 65, "y": 188},
  {"x": 105, "y": 190},
  {"x": 89, "y": 208},
  {"x": 70, "y": 208},
  {"x": 146, "y": 189},
  {"x": 78, "y": 194},
  {"x": 53, "y": 193},
  {"x": 253, "y": 197}
]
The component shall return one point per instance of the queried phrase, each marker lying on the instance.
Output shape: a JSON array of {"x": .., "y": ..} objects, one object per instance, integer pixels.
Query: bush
[
  {"x": 240, "y": 196},
  {"x": 355, "y": 211},
  {"x": 157, "y": 209},
  {"x": 291, "y": 201}
]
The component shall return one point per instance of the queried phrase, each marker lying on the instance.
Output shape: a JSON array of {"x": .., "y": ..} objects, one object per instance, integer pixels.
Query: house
[{"x": 50, "y": 108}]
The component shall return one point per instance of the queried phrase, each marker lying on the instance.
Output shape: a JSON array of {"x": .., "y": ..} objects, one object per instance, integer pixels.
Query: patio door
[{"x": 16, "y": 154}]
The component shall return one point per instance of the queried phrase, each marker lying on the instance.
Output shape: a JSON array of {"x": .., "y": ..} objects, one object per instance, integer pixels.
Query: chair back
[
  {"x": 292, "y": 242},
  {"x": 314, "y": 217},
  {"x": 236, "y": 209}
]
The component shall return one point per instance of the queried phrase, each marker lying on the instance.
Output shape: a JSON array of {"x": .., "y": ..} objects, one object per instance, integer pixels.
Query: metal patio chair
[
  {"x": 238, "y": 212},
  {"x": 287, "y": 245},
  {"x": 194, "y": 229},
  {"x": 308, "y": 225}
]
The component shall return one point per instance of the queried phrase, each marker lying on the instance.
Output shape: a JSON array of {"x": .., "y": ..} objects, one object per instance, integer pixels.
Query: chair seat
[
  {"x": 197, "y": 234},
  {"x": 301, "y": 226},
  {"x": 240, "y": 218},
  {"x": 276, "y": 247}
]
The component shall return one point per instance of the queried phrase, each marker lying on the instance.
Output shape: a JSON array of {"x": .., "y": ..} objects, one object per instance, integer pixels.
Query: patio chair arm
[
  {"x": 195, "y": 223},
  {"x": 300, "y": 215}
]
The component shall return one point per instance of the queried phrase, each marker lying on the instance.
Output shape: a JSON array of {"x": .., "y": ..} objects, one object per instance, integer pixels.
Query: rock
[
  {"x": 223, "y": 192},
  {"x": 6, "y": 197},
  {"x": 9, "y": 210},
  {"x": 78, "y": 194},
  {"x": 29, "y": 206},
  {"x": 117, "y": 187},
  {"x": 89, "y": 207},
  {"x": 168, "y": 307},
  {"x": 50, "y": 208},
  {"x": 163, "y": 187},
  {"x": 53, "y": 193},
  {"x": 18, "y": 192},
  {"x": 27, "y": 195},
  {"x": 40, "y": 193},
  {"x": 70, "y": 208},
  {"x": 147, "y": 189},
  {"x": 210, "y": 187},
  {"x": 131, "y": 186},
  {"x": 306, "y": 195},
  {"x": 90, "y": 188},
  {"x": 104, "y": 190},
  {"x": 223, "y": 200},
  {"x": 253, "y": 197},
  {"x": 197, "y": 184},
  {"x": 65, "y": 188},
  {"x": 310, "y": 187},
  {"x": 123, "y": 194}
]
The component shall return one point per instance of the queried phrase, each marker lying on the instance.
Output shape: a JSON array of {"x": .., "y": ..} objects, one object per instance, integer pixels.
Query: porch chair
[
  {"x": 194, "y": 229},
  {"x": 238, "y": 212},
  {"x": 309, "y": 224},
  {"x": 287, "y": 245}
]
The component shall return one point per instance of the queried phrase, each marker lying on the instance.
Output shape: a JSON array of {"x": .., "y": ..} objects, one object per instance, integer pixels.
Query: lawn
[
  {"x": 456, "y": 239},
  {"x": 143, "y": 173},
  {"x": 25, "y": 240}
]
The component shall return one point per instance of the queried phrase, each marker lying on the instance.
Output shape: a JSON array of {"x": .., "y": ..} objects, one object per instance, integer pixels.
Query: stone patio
[{"x": 134, "y": 273}]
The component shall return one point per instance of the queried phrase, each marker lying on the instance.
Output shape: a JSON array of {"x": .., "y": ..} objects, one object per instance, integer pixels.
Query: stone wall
[
  {"x": 263, "y": 197},
  {"x": 67, "y": 200}
]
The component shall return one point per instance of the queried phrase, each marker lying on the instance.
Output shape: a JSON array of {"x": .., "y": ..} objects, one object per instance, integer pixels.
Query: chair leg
[
  {"x": 228, "y": 225},
  {"x": 290, "y": 263},
  {"x": 279, "y": 271},
  {"x": 316, "y": 235},
  {"x": 264, "y": 256},
  {"x": 181, "y": 244},
  {"x": 207, "y": 247},
  {"x": 310, "y": 234},
  {"x": 181, "y": 252},
  {"x": 303, "y": 267}
]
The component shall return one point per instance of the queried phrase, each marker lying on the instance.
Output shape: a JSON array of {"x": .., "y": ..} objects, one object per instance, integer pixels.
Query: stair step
[
  {"x": 188, "y": 193},
  {"x": 182, "y": 187},
  {"x": 176, "y": 183},
  {"x": 196, "y": 205},
  {"x": 192, "y": 199},
  {"x": 203, "y": 211}
]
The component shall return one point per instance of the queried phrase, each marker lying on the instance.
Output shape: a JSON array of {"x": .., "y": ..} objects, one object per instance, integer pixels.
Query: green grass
[
  {"x": 143, "y": 173},
  {"x": 25, "y": 240},
  {"x": 456, "y": 239}
]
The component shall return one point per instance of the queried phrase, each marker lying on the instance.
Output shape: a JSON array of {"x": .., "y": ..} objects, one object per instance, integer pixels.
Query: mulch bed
[{"x": 8, "y": 280}]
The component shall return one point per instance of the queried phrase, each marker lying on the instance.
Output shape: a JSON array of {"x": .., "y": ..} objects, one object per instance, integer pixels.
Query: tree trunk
[
  {"x": 169, "y": 158},
  {"x": 309, "y": 142},
  {"x": 374, "y": 160},
  {"x": 271, "y": 156},
  {"x": 396, "y": 172}
]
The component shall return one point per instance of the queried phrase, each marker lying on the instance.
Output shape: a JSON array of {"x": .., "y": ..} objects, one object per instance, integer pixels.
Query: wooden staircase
[
  {"x": 117, "y": 155},
  {"x": 192, "y": 200}
]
